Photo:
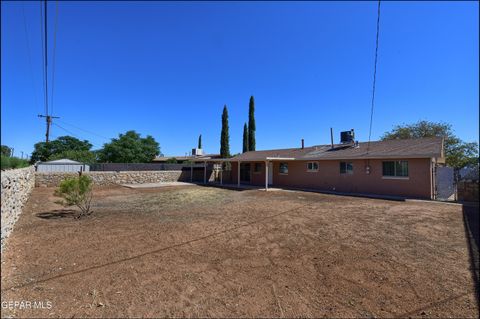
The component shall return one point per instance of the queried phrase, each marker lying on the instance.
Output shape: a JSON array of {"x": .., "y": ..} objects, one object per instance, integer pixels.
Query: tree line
[{"x": 128, "y": 147}]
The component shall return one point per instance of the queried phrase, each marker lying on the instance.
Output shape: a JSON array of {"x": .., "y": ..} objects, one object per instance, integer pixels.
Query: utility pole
[
  {"x": 47, "y": 117},
  {"x": 49, "y": 122}
]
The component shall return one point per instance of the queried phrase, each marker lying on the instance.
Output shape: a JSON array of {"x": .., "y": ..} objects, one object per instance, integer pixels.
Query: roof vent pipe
[
  {"x": 303, "y": 143},
  {"x": 331, "y": 136}
]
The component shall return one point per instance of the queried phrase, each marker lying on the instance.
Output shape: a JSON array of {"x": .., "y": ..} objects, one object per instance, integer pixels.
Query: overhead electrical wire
[
  {"x": 84, "y": 130},
  {"x": 44, "y": 75},
  {"x": 54, "y": 55},
  {"x": 70, "y": 132},
  {"x": 374, "y": 78},
  {"x": 34, "y": 87},
  {"x": 45, "y": 30}
]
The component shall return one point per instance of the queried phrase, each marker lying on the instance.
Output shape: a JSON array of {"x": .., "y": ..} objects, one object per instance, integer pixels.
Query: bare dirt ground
[{"x": 208, "y": 252}]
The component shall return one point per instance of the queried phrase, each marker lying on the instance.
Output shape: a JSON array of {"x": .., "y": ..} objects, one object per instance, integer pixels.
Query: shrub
[
  {"x": 76, "y": 191},
  {"x": 13, "y": 162}
]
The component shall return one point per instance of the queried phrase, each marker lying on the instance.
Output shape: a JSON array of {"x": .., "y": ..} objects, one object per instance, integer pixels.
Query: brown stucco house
[{"x": 404, "y": 168}]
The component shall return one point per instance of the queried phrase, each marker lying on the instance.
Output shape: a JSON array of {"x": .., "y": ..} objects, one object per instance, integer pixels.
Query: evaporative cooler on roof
[{"x": 347, "y": 136}]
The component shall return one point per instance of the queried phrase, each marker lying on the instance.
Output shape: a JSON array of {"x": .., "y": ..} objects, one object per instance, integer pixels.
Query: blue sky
[{"x": 167, "y": 69}]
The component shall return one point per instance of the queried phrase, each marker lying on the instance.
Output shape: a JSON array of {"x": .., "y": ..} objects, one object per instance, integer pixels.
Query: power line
[
  {"x": 374, "y": 78},
  {"x": 47, "y": 117},
  {"x": 29, "y": 55},
  {"x": 70, "y": 132},
  {"x": 46, "y": 54},
  {"x": 84, "y": 130},
  {"x": 53, "y": 59},
  {"x": 43, "y": 59}
]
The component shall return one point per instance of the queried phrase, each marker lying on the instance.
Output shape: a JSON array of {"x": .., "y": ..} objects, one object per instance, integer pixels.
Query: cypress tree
[
  {"x": 251, "y": 125},
  {"x": 225, "y": 138},
  {"x": 245, "y": 138},
  {"x": 200, "y": 141}
]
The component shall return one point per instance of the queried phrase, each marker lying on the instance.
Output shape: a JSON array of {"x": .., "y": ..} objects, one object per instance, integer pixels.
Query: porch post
[
  {"x": 266, "y": 175},
  {"x": 205, "y": 172},
  {"x": 238, "y": 174},
  {"x": 221, "y": 174},
  {"x": 191, "y": 172}
]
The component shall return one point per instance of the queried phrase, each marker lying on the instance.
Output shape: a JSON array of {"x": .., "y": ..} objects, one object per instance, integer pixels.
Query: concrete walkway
[{"x": 156, "y": 185}]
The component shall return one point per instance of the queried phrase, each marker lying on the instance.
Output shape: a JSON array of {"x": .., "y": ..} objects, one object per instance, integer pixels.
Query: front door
[
  {"x": 245, "y": 172},
  {"x": 270, "y": 173}
]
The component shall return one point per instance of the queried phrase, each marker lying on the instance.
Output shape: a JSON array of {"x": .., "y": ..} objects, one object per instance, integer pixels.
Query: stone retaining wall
[
  {"x": 53, "y": 179},
  {"x": 467, "y": 191},
  {"x": 16, "y": 187}
]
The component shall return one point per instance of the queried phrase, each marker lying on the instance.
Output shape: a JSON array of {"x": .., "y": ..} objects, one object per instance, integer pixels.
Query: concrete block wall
[
  {"x": 16, "y": 187},
  {"x": 467, "y": 191}
]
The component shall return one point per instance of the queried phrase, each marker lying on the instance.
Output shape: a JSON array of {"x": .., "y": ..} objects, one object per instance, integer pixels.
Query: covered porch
[{"x": 238, "y": 170}]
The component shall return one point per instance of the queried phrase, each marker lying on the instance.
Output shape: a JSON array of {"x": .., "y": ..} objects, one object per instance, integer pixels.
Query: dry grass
[{"x": 207, "y": 252}]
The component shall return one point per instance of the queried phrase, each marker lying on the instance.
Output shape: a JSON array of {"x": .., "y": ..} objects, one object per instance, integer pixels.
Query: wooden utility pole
[
  {"x": 49, "y": 122},
  {"x": 47, "y": 117}
]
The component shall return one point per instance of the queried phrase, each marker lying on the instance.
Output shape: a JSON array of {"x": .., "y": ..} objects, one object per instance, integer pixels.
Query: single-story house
[{"x": 405, "y": 168}]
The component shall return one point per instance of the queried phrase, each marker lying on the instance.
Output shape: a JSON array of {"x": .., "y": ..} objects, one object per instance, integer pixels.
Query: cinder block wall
[
  {"x": 16, "y": 187},
  {"x": 467, "y": 191}
]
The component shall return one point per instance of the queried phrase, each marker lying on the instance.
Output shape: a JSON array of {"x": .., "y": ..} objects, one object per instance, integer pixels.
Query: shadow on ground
[
  {"x": 471, "y": 220},
  {"x": 57, "y": 214}
]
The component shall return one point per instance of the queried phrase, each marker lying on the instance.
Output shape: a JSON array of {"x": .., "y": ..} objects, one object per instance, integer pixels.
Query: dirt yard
[{"x": 207, "y": 252}]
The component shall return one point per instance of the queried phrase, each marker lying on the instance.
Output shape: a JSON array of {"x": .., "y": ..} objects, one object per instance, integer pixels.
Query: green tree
[
  {"x": 225, "y": 136},
  {"x": 251, "y": 125},
  {"x": 172, "y": 160},
  {"x": 245, "y": 138},
  {"x": 87, "y": 157},
  {"x": 200, "y": 141},
  {"x": 458, "y": 153},
  {"x": 129, "y": 148},
  {"x": 76, "y": 191},
  {"x": 43, "y": 151},
  {"x": 6, "y": 151}
]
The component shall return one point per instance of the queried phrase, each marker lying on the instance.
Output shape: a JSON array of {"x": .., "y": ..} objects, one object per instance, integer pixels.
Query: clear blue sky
[{"x": 167, "y": 69}]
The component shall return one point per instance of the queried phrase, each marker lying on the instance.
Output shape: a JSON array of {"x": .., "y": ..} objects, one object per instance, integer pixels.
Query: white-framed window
[
  {"x": 283, "y": 168},
  {"x": 395, "y": 168},
  {"x": 257, "y": 167},
  {"x": 346, "y": 168},
  {"x": 312, "y": 166}
]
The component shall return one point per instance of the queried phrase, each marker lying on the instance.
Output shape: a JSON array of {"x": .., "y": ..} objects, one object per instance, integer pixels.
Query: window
[
  {"x": 283, "y": 168},
  {"x": 395, "y": 168},
  {"x": 257, "y": 168},
  {"x": 346, "y": 168},
  {"x": 312, "y": 166}
]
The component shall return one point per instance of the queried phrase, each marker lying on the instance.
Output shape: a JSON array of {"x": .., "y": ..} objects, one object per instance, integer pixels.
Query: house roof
[
  {"x": 186, "y": 158},
  {"x": 407, "y": 148}
]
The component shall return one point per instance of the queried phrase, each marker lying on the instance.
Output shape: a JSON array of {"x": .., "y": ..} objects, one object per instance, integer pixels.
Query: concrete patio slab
[{"x": 156, "y": 185}]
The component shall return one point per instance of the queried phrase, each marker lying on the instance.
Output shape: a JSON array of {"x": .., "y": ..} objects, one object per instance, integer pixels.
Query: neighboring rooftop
[
  {"x": 61, "y": 161},
  {"x": 407, "y": 148},
  {"x": 185, "y": 158}
]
